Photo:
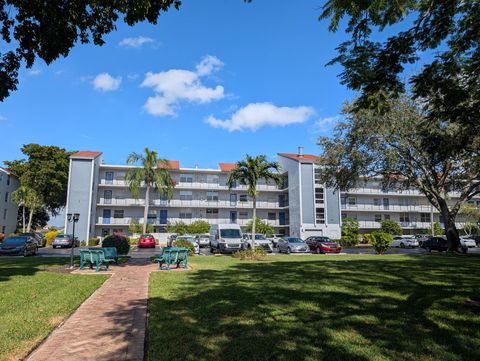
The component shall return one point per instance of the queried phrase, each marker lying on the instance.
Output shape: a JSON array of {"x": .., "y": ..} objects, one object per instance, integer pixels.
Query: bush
[
  {"x": 186, "y": 244},
  {"x": 199, "y": 227},
  {"x": 2, "y": 237},
  {"x": 437, "y": 228},
  {"x": 392, "y": 227},
  {"x": 50, "y": 236},
  {"x": 93, "y": 241},
  {"x": 350, "y": 231},
  {"x": 120, "y": 242},
  {"x": 346, "y": 241},
  {"x": 258, "y": 254},
  {"x": 368, "y": 238},
  {"x": 133, "y": 241},
  {"x": 381, "y": 241}
]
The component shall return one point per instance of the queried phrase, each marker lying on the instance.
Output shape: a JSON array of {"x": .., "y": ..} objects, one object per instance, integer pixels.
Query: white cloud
[
  {"x": 136, "y": 42},
  {"x": 324, "y": 125},
  {"x": 105, "y": 82},
  {"x": 3, "y": 119},
  {"x": 175, "y": 85},
  {"x": 257, "y": 115},
  {"x": 34, "y": 72}
]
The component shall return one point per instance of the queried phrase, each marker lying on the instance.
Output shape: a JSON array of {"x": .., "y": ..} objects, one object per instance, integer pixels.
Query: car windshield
[
  {"x": 323, "y": 239},
  {"x": 61, "y": 236},
  {"x": 146, "y": 236},
  {"x": 260, "y": 236},
  {"x": 230, "y": 233},
  {"x": 295, "y": 240},
  {"x": 15, "y": 241},
  {"x": 189, "y": 239}
]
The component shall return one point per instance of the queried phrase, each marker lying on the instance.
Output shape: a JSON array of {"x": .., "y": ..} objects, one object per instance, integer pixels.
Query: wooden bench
[
  {"x": 94, "y": 257},
  {"x": 171, "y": 256}
]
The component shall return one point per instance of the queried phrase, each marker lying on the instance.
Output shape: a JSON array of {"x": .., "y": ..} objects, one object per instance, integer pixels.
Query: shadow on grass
[
  {"x": 11, "y": 266},
  {"x": 318, "y": 309}
]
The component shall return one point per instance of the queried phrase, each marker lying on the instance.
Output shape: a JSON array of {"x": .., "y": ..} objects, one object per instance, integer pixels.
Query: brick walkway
[{"x": 110, "y": 325}]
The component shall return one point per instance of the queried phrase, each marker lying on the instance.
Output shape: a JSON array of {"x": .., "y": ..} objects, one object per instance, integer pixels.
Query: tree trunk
[
  {"x": 30, "y": 217},
  {"x": 145, "y": 211},
  {"x": 254, "y": 223},
  {"x": 23, "y": 218},
  {"x": 451, "y": 231}
]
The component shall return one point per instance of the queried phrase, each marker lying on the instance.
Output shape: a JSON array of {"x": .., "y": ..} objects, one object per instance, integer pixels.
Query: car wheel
[
  {"x": 428, "y": 249},
  {"x": 289, "y": 250},
  {"x": 25, "y": 253},
  {"x": 212, "y": 251},
  {"x": 317, "y": 251},
  {"x": 35, "y": 250},
  {"x": 402, "y": 245}
]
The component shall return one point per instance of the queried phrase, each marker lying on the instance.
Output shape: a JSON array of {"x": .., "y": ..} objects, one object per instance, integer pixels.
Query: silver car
[
  {"x": 292, "y": 245},
  {"x": 203, "y": 241},
  {"x": 64, "y": 240}
]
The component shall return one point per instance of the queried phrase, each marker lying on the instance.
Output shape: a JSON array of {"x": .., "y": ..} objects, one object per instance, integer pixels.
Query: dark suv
[{"x": 435, "y": 244}]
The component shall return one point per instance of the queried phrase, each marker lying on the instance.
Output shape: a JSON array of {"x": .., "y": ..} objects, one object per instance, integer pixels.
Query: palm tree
[
  {"x": 153, "y": 173},
  {"x": 248, "y": 172},
  {"x": 27, "y": 198}
]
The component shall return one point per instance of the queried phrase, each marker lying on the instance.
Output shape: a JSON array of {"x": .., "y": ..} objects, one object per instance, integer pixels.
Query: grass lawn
[
  {"x": 394, "y": 307},
  {"x": 33, "y": 300}
]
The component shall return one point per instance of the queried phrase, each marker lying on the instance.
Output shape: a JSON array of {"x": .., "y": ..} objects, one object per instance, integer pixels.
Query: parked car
[
  {"x": 404, "y": 241},
  {"x": 171, "y": 239},
  {"x": 275, "y": 238},
  {"x": 435, "y": 244},
  {"x": 203, "y": 240},
  {"x": 422, "y": 237},
  {"x": 225, "y": 238},
  {"x": 468, "y": 241},
  {"x": 292, "y": 245},
  {"x": 477, "y": 240},
  {"x": 64, "y": 240},
  {"x": 146, "y": 241},
  {"x": 320, "y": 244},
  {"x": 37, "y": 236},
  {"x": 18, "y": 245},
  {"x": 260, "y": 241},
  {"x": 192, "y": 240}
]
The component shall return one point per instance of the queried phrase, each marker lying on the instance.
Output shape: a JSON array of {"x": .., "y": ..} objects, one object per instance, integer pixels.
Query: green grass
[
  {"x": 394, "y": 307},
  {"x": 33, "y": 301}
]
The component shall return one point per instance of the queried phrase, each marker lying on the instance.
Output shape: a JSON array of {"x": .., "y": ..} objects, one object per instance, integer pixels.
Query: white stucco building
[{"x": 8, "y": 209}]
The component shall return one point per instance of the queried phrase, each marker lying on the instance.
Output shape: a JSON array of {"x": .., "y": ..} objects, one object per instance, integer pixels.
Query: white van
[{"x": 225, "y": 238}]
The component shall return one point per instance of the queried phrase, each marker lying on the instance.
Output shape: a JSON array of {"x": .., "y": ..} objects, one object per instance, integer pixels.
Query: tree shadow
[
  {"x": 318, "y": 309},
  {"x": 11, "y": 266}
]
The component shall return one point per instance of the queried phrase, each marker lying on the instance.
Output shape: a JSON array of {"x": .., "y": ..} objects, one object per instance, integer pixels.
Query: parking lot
[{"x": 136, "y": 252}]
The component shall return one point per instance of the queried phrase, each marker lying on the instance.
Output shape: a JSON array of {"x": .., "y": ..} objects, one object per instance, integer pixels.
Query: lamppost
[{"x": 72, "y": 218}]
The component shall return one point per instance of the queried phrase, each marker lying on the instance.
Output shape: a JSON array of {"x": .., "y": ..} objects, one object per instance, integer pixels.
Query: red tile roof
[
  {"x": 87, "y": 154},
  {"x": 308, "y": 158},
  {"x": 227, "y": 167},
  {"x": 172, "y": 164}
]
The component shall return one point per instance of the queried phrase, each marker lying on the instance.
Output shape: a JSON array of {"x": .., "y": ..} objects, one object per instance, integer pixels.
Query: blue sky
[{"x": 207, "y": 84}]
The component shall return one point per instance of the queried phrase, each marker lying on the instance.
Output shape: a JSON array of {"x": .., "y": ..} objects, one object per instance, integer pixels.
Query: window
[
  {"x": 186, "y": 195},
  {"x": 186, "y": 178},
  {"x": 378, "y": 218},
  {"x": 108, "y": 177},
  {"x": 272, "y": 216},
  {"x": 386, "y": 217},
  {"x": 320, "y": 215},
  {"x": 319, "y": 196},
  {"x": 8, "y": 180},
  {"x": 3, "y": 229},
  {"x": 425, "y": 217},
  {"x": 212, "y": 213},
  {"x": 376, "y": 201},
  {"x": 352, "y": 201},
  {"x": 243, "y": 198},
  {"x": 118, "y": 213},
  {"x": 107, "y": 196},
  {"x": 282, "y": 200},
  {"x": 386, "y": 203},
  {"x": 212, "y": 196},
  {"x": 6, "y": 196},
  {"x": 5, "y": 213},
  {"x": 317, "y": 176},
  {"x": 404, "y": 218},
  {"x": 212, "y": 178},
  {"x": 243, "y": 215},
  {"x": 185, "y": 215}
]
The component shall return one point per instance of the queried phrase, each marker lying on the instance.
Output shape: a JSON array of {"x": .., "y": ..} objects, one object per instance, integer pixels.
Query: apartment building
[{"x": 8, "y": 209}]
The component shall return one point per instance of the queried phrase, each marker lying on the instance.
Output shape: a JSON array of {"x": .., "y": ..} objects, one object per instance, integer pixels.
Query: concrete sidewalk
[{"x": 110, "y": 325}]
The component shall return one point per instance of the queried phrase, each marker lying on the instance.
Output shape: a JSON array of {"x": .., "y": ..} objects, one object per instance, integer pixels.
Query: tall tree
[
  {"x": 441, "y": 36},
  {"x": 46, "y": 172},
  {"x": 249, "y": 172},
  {"x": 27, "y": 198},
  {"x": 50, "y": 29},
  {"x": 408, "y": 150},
  {"x": 20, "y": 196},
  {"x": 153, "y": 173}
]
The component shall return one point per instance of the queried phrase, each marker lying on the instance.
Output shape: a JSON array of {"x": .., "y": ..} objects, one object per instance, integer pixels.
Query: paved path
[{"x": 110, "y": 325}]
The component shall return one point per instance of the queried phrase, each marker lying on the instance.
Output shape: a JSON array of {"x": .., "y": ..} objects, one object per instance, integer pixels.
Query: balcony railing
[
  {"x": 171, "y": 220},
  {"x": 392, "y": 207},
  {"x": 188, "y": 203}
]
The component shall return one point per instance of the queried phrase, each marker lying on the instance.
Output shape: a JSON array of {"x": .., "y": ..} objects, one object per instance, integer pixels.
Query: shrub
[
  {"x": 381, "y": 241},
  {"x": 261, "y": 227},
  {"x": 368, "y": 238},
  {"x": 50, "y": 236},
  {"x": 93, "y": 241},
  {"x": 133, "y": 241},
  {"x": 2, "y": 237},
  {"x": 199, "y": 227},
  {"x": 392, "y": 227},
  {"x": 120, "y": 242},
  {"x": 437, "y": 228},
  {"x": 185, "y": 244},
  {"x": 258, "y": 254},
  {"x": 350, "y": 231},
  {"x": 346, "y": 241}
]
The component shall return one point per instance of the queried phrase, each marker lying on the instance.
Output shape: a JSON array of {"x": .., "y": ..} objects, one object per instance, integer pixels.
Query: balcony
[
  {"x": 390, "y": 208},
  {"x": 189, "y": 203},
  {"x": 171, "y": 220}
]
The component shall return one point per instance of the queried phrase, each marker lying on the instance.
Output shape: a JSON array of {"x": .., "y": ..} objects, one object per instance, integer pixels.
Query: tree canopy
[
  {"x": 50, "y": 29},
  {"x": 406, "y": 149},
  {"x": 441, "y": 36}
]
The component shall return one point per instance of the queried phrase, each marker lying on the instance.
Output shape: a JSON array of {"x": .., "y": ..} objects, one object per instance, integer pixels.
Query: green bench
[
  {"x": 172, "y": 256},
  {"x": 95, "y": 257},
  {"x": 110, "y": 252}
]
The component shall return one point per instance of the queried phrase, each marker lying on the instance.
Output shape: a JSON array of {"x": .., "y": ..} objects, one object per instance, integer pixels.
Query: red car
[
  {"x": 147, "y": 241},
  {"x": 318, "y": 244}
]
